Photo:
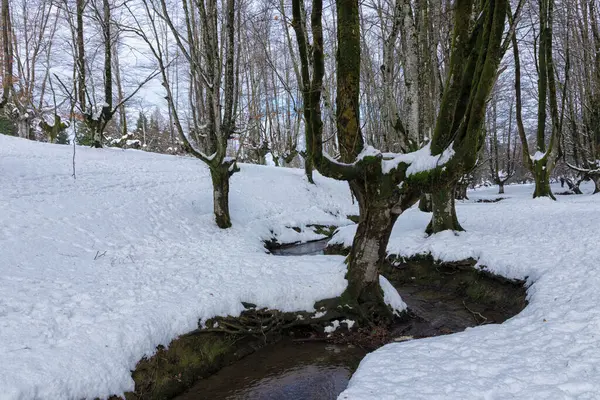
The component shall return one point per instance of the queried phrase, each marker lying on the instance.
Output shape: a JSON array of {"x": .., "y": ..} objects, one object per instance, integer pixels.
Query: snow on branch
[{"x": 418, "y": 161}]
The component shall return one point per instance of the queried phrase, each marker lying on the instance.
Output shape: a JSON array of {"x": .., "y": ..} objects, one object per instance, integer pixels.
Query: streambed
[{"x": 441, "y": 300}]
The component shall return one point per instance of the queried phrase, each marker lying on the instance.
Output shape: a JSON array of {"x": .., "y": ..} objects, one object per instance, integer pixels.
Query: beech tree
[
  {"x": 542, "y": 162},
  {"x": 501, "y": 148},
  {"x": 386, "y": 184},
  {"x": 208, "y": 45}
]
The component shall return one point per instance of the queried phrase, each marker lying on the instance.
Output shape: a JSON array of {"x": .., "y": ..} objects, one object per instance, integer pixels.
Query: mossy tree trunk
[
  {"x": 425, "y": 203},
  {"x": 541, "y": 176},
  {"x": 444, "y": 212},
  {"x": 369, "y": 247}
]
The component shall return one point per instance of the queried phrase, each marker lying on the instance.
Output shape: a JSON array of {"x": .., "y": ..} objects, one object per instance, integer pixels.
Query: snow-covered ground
[
  {"x": 551, "y": 350},
  {"x": 96, "y": 272}
]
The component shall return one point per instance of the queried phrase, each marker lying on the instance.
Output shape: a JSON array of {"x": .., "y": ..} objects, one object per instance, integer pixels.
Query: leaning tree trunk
[
  {"x": 444, "y": 211},
  {"x": 220, "y": 182}
]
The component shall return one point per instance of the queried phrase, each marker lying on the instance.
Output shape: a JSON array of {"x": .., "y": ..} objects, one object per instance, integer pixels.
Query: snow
[
  {"x": 551, "y": 350},
  {"x": 538, "y": 156},
  {"x": 420, "y": 160},
  {"x": 391, "y": 297},
  {"x": 335, "y": 324},
  {"x": 368, "y": 151},
  {"x": 98, "y": 271}
]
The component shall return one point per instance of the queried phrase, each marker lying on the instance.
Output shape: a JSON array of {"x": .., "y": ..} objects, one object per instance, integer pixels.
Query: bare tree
[{"x": 209, "y": 49}]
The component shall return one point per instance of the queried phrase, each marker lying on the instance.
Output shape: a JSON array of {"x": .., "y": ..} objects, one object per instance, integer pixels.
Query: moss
[
  {"x": 187, "y": 359},
  {"x": 461, "y": 278},
  {"x": 326, "y": 230},
  {"x": 337, "y": 249},
  {"x": 353, "y": 218}
]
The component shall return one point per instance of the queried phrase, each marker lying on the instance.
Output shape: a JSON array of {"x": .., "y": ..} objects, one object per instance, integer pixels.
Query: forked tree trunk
[
  {"x": 220, "y": 182},
  {"x": 542, "y": 180},
  {"x": 444, "y": 212}
]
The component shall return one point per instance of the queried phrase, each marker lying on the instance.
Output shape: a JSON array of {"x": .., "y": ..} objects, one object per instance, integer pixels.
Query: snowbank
[
  {"x": 98, "y": 271},
  {"x": 551, "y": 350}
]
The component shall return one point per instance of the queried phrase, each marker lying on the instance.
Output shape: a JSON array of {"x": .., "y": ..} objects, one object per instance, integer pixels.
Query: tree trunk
[
  {"x": 444, "y": 212},
  {"x": 425, "y": 203},
  {"x": 220, "y": 182},
  {"x": 501, "y": 188},
  {"x": 97, "y": 138},
  {"x": 24, "y": 128},
  {"x": 308, "y": 169},
  {"x": 460, "y": 192},
  {"x": 369, "y": 250},
  {"x": 542, "y": 180},
  {"x": 596, "y": 180}
]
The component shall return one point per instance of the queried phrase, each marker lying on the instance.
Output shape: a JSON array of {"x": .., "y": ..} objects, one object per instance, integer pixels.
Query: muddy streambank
[{"x": 297, "y": 364}]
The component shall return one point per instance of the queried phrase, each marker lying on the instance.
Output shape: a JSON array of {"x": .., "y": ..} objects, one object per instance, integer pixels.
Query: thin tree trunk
[{"x": 501, "y": 188}]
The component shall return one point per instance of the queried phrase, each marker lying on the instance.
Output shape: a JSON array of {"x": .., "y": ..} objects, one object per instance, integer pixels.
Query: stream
[
  {"x": 292, "y": 370},
  {"x": 282, "y": 371}
]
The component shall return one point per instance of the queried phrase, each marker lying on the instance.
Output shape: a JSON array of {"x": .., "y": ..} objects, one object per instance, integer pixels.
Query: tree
[
  {"x": 501, "y": 150},
  {"x": 387, "y": 184},
  {"x": 211, "y": 59},
  {"x": 542, "y": 162}
]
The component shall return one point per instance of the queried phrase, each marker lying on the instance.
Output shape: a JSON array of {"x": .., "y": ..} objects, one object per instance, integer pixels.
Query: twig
[
  {"x": 99, "y": 255},
  {"x": 475, "y": 314}
]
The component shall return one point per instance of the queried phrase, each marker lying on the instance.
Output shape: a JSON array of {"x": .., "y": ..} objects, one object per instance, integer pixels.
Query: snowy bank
[
  {"x": 551, "y": 350},
  {"x": 98, "y": 271}
]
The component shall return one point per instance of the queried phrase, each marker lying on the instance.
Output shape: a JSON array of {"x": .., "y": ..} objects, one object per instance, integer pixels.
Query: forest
[{"x": 448, "y": 145}]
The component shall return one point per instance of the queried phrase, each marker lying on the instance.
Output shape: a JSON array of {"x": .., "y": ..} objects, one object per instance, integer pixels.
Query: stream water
[
  {"x": 283, "y": 371},
  {"x": 319, "y": 371}
]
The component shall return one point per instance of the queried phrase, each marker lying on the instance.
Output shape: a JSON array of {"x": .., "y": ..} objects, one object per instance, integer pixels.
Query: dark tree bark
[
  {"x": 7, "y": 54},
  {"x": 80, "y": 64}
]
